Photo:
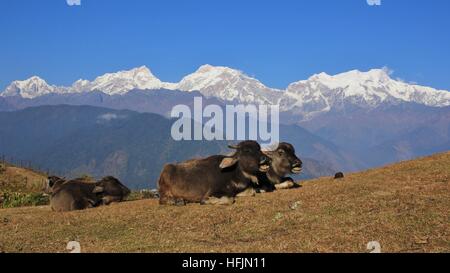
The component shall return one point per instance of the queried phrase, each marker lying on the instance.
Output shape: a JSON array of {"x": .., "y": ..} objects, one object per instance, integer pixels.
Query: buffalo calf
[{"x": 78, "y": 194}]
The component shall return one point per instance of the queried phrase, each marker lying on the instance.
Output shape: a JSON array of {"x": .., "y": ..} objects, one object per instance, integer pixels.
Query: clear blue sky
[{"x": 278, "y": 42}]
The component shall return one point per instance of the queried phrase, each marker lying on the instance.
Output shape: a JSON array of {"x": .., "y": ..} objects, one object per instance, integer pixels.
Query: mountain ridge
[
  {"x": 78, "y": 140},
  {"x": 318, "y": 94},
  {"x": 378, "y": 126}
]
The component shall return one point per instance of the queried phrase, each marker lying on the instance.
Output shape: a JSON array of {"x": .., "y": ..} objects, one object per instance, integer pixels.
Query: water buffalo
[
  {"x": 217, "y": 179},
  {"x": 73, "y": 195},
  {"x": 284, "y": 161},
  {"x": 78, "y": 194}
]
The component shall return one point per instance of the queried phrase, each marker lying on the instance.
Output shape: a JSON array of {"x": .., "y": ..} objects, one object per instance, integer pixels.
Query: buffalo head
[
  {"x": 284, "y": 159},
  {"x": 110, "y": 189},
  {"x": 248, "y": 157}
]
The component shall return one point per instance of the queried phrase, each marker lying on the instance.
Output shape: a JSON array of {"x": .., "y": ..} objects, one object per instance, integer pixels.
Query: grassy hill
[
  {"x": 13, "y": 178},
  {"x": 21, "y": 187},
  {"x": 405, "y": 207}
]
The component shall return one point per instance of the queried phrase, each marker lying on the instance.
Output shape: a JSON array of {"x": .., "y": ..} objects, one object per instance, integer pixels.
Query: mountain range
[
  {"x": 86, "y": 140},
  {"x": 357, "y": 119},
  {"x": 320, "y": 93}
]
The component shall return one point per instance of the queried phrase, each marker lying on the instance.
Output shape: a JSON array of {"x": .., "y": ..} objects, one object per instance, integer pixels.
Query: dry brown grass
[
  {"x": 21, "y": 180},
  {"x": 404, "y": 206}
]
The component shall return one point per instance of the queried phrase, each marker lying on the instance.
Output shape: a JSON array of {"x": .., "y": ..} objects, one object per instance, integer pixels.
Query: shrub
[
  {"x": 143, "y": 194},
  {"x": 17, "y": 199}
]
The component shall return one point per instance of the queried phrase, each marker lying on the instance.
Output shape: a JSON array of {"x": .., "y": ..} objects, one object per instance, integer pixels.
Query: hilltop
[
  {"x": 22, "y": 186},
  {"x": 14, "y": 178},
  {"x": 405, "y": 207}
]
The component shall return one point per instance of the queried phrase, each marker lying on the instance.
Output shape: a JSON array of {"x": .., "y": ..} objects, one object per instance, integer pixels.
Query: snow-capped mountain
[
  {"x": 121, "y": 82},
  {"x": 229, "y": 85},
  {"x": 118, "y": 83},
  {"x": 374, "y": 118},
  {"x": 322, "y": 92},
  {"x": 30, "y": 88},
  {"x": 318, "y": 94}
]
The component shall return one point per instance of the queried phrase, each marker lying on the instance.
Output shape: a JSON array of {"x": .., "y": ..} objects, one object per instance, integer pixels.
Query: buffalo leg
[
  {"x": 285, "y": 185},
  {"x": 111, "y": 199},
  {"x": 248, "y": 192}
]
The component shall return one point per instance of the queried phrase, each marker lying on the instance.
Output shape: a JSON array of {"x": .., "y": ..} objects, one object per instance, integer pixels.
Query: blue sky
[{"x": 278, "y": 42}]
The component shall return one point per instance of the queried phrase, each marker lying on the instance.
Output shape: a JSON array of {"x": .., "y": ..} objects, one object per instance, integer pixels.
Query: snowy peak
[
  {"x": 207, "y": 68},
  {"x": 366, "y": 89},
  {"x": 208, "y": 76},
  {"x": 124, "y": 81},
  {"x": 30, "y": 88},
  {"x": 118, "y": 83},
  {"x": 351, "y": 78},
  {"x": 227, "y": 84}
]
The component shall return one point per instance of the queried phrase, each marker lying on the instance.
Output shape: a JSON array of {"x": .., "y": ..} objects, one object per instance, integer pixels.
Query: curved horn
[{"x": 235, "y": 147}]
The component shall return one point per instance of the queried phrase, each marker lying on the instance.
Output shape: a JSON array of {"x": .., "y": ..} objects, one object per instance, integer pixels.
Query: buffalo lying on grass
[
  {"x": 217, "y": 179},
  {"x": 77, "y": 194}
]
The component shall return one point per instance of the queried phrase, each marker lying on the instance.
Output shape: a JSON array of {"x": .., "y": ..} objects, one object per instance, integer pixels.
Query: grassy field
[{"x": 405, "y": 207}]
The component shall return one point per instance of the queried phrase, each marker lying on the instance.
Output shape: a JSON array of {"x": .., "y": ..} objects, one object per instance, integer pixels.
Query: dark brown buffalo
[
  {"x": 213, "y": 180},
  {"x": 110, "y": 190},
  {"x": 73, "y": 195},
  {"x": 339, "y": 175},
  {"x": 78, "y": 194},
  {"x": 284, "y": 162}
]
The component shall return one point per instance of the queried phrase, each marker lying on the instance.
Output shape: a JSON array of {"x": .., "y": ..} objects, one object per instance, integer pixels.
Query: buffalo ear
[
  {"x": 228, "y": 162},
  {"x": 98, "y": 189}
]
